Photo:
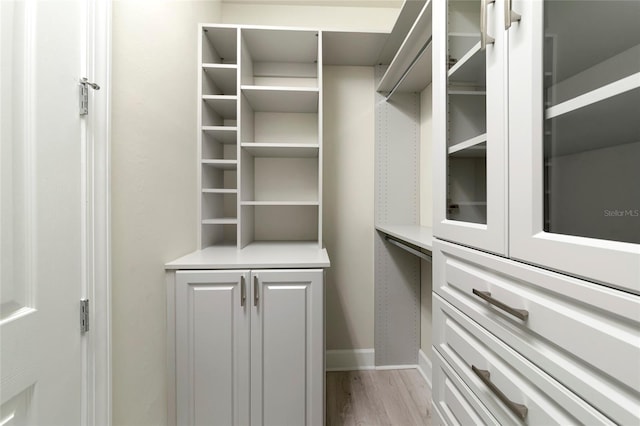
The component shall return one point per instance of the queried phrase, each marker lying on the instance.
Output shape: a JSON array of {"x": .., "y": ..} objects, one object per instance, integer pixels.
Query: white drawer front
[
  {"x": 453, "y": 401},
  {"x": 584, "y": 335},
  {"x": 530, "y": 396}
]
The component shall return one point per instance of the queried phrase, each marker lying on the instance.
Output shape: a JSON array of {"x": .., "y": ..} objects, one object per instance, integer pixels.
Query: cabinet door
[
  {"x": 469, "y": 113},
  {"x": 574, "y": 97},
  {"x": 212, "y": 348},
  {"x": 287, "y": 348}
]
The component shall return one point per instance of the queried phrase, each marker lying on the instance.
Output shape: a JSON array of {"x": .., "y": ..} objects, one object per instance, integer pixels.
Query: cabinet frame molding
[
  {"x": 491, "y": 236},
  {"x": 616, "y": 264}
]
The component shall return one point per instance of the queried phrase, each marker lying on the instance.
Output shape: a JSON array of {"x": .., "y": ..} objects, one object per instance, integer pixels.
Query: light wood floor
[{"x": 378, "y": 397}]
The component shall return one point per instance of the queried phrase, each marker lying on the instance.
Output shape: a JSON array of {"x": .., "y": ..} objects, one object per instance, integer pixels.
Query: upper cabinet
[
  {"x": 469, "y": 114},
  {"x": 574, "y": 132},
  {"x": 537, "y": 133}
]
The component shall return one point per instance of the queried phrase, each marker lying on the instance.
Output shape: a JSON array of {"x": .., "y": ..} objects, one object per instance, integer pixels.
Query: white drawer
[
  {"x": 586, "y": 336},
  {"x": 514, "y": 390},
  {"x": 453, "y": 401}
]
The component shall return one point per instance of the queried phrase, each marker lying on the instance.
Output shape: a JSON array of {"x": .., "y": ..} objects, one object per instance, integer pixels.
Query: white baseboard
[
  {"x": 364, "y": 359},
  {"x": 350, "y": 359},
  {"x": 396, "y": 367},
  {"x": 425, "y": 367}
]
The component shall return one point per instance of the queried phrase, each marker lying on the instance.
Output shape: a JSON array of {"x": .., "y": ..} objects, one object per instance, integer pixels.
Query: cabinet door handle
[
  {"x": 256, "y": 294},
  {"x": 509, "y": 15},
  {"x": 517, "y": 409},
  {"x": 518, "y": 313},
  {"x": 485, "y": 38},
  {"x": 243, "y": 291}
]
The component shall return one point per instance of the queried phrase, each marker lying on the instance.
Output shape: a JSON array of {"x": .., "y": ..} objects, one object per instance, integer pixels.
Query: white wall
[
  {"x": 348, "y": 205},
  {"x": 153, "y": 188}
]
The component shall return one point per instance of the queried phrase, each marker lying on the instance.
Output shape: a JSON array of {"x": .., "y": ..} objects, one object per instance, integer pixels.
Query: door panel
[
  {"x": 287, "y": 348},
  {"x": 42, "y": 211},
  {"x": 469, "y": 124},
  {"x": 574, "y": 81},
  {"x": 212, "y": 347}
]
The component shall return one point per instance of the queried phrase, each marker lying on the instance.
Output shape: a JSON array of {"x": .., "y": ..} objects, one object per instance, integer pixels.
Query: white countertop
[
  {"x": 417, "y": 235},
  {"x": 256, "y": 255}
]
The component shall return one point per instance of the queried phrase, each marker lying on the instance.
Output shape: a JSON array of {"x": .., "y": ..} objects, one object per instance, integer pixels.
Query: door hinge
[
  {"x": 84, "y": 315},
  {"x": 84, "y": 94}
]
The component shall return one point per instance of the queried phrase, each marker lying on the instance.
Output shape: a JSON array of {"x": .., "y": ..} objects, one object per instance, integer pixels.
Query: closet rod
[
  {"x": 408, "y": 248},
  {"x": 408, "y": 70}
]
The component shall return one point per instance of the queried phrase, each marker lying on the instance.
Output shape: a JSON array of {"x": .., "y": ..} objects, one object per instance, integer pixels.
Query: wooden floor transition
[{"x": 378, "y": 397}]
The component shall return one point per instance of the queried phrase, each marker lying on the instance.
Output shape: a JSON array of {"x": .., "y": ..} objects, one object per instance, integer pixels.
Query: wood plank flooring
[{"x": 377, "y": 398}]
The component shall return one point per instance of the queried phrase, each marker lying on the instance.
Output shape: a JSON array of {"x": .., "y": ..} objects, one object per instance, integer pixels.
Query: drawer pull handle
[
  {"x": 518, "y": 313},
  {"x": 517, "y": 409}
]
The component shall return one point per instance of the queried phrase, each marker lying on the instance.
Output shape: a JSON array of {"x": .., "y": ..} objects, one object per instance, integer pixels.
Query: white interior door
[{"x": 43, "y": 213}]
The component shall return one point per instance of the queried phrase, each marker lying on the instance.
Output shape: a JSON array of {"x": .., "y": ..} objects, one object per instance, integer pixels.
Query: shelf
[
  {"x": 474, "y": 147},
  {"x": 468, "y": 203},
  {"x": 219, "y": 191},
  {"x": 402, "y": 26},
  {"x": 461, "y": 44},
  {"x": 222, "y": 76},
  {"x": 467, "y": 92},
  {"x": 223, "y": 134},
  {"x": 224, "y": 105},
  {"x": 276, "y": 45},
  {"x": 354, "y": 48},
  {"x": 471, "y": 68},
  {"x": 611, "y": 90},
  {"x": 467, "y": 117},
  {"x": 219, "y": 44},
  {"x": 282, "y": 99},
  {"x": 280, "y": 203},
  {"x": 281, "y": 150},
  {"x": 221, "y": 221},
  {"x": 416, "y": 235},
  {"x": 277, "y": 254},
  {"x": 605, "y": 29},
  {"x": 609, "y": 122},
  {"x": 221, "y": 164},
  {"x": 410, "y": 69}
]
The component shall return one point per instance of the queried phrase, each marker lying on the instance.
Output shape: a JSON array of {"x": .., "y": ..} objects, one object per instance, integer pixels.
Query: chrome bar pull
[
  {"x": 517, "y": 409},
  {"x": 243, "y": 291},
  {"x": 509, "y": 15},
  {"x": 256, "y": 294},
  {"x": 521, "y": 314},
  {"x": 485, "y": 38}
]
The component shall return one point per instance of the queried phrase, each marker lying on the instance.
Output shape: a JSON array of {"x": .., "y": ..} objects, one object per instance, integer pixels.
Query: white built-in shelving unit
[
  {"x": 260, "y": 138},
  {"x": 402, "y": 245},
  {"x": 410, "y": 68}
]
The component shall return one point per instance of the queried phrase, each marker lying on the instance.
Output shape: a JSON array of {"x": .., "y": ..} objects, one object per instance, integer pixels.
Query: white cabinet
[
  {"x": 537, "y": 135},
  {"x": 249, "y": 347},
  {"x": 556, "y": 312}
]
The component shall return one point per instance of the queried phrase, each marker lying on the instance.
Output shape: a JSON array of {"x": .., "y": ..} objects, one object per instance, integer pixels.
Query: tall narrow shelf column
[
  {"x": 218, "y": 135},
  {"x": 280, "y": 136}
]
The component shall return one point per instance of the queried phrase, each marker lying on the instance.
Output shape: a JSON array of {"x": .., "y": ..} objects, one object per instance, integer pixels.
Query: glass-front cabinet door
[
  {"x": 469, "y": 84},
  {"x": 574, "y": 138}
]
